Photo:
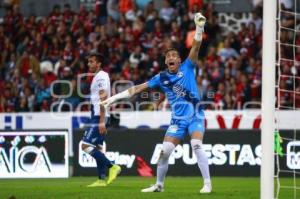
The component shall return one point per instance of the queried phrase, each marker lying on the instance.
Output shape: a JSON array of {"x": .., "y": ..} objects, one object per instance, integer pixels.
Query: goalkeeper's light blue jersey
[{"x": 181, "y": 90}]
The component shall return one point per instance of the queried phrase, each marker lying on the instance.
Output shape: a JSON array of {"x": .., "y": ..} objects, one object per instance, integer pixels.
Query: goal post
[{"x": 268, "y": 99}]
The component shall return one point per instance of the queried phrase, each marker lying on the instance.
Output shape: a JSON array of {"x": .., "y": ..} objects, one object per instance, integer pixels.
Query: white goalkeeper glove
[
  {"x": 199, "y": 20},
  {"x": 111, "y": 100}
]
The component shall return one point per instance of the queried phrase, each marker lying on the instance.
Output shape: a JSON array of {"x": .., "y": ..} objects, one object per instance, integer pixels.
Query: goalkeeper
[{"x": 180, "y": 86}]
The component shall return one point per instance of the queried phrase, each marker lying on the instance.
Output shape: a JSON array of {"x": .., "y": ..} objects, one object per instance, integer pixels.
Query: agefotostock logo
[{"x": 81, "y": 84}]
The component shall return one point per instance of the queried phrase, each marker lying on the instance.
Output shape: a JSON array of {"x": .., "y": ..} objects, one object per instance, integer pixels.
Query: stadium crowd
[{"x": 132, "y": 36}]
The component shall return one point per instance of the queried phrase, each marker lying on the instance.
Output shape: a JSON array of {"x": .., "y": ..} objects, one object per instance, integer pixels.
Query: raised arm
[
  {"x": 125, "y": 94},
  {"x": 199, "y": 20}
]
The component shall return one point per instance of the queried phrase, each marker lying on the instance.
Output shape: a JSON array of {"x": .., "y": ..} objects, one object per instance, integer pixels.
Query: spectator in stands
[
  {"x": 43, "y": 96},
  {"x": 101, "y": 11},
  {"x": 142, "y": 4},
  {"x": 9, "y": 67},
  {"x": 287, "y": 4},
  {"x": 55, "y": 15},
  {"x": 166, "y": 13},
  {"x": 28, "y": 64},
  {"x": 67, "y": 14},
  {"x": 192, "y": 3},
  {"x": 74, "y": 99},
  {"x": 256, "y": 20},
  {"x": 227, "y": 51},
  {"x": 113, "y": 10},
  {"x": 133, "y": 13},
  {"x": 137, "y": 57},
  {"x": 29, "y": 98},
  {"x": 22, "y": 106}
]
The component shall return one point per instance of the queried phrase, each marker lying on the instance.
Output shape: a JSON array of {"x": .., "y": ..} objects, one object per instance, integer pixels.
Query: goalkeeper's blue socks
[{"x": 99, "y": 156}]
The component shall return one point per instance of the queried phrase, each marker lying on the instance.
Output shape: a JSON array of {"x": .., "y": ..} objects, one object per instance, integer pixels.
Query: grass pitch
[{"x": 129, "y": 188}]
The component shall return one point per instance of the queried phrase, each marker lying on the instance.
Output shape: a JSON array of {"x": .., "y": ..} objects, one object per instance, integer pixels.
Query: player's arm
[
  {"x": 102, "y": 127},
  {"x": 199, "y": 20},
  {"x": 125, "y": 94}
]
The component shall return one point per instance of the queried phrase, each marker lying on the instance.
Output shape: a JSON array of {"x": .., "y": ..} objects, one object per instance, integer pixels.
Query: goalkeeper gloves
[
  {"x": 199, "y": 20},
  {"x": 110, "y": 100}
]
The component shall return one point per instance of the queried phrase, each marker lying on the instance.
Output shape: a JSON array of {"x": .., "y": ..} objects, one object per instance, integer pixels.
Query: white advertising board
[{"x": 34, "y": 154}]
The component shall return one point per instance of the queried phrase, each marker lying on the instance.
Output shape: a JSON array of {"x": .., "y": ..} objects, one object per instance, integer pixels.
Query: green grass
[{"x": 129, "y": 188}]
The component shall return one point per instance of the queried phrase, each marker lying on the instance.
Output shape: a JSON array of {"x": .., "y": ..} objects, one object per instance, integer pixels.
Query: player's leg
[
  {"x": 196, "y": 142},
  {"x": 172, "y": 138},
  {"x": 115, "y": 170},
  {"x": 196, "y": 131},
  {"x": 101, "y": 168},
  {"x": 91, "y": 139},
  {"x": 100, "y": 165},
  {"x": 169, "y": 145}
]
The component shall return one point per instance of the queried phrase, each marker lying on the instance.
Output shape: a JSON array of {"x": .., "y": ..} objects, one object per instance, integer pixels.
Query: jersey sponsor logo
[
  {"x": 166, "y": 82},
  {"x": 179, "y": 74},
  {"x": 94, "y": 140},
  {"x": 178, "y": 90},
  {"x": 101, "y": 85}
]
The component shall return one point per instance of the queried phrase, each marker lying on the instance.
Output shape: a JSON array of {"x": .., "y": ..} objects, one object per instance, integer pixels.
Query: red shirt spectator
[
  {"x": 192, "y": 3},
  {"x": 49, "y": 77},
  {"x": 125, "y": 5}
]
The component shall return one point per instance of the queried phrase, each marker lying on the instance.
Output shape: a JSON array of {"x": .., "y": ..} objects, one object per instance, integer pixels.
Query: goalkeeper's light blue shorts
[{"x": 179, "y": 127}]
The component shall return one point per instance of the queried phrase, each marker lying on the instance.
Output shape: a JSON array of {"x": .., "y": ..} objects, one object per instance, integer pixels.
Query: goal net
[{"x": 287, "y": 84}]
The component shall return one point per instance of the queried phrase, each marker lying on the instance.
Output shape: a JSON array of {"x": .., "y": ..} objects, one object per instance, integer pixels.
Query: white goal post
[{"x": 268, "y": 99}]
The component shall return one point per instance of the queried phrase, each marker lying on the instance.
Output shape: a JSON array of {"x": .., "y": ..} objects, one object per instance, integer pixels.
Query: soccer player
[
  {"x": 180, "y": 86},
  {"x": 93, "y": 138}
]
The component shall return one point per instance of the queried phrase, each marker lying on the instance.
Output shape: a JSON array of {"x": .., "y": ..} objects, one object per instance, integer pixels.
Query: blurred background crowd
[{"x": 132, "y": 35}]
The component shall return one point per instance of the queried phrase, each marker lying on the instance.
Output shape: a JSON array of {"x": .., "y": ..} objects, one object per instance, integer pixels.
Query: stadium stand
[{"x": 36, "y": 51}]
